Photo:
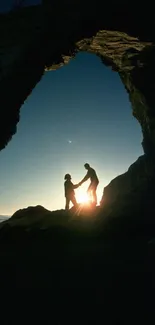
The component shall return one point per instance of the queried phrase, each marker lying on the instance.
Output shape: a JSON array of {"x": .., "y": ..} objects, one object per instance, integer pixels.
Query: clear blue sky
[
  {"x": 79, "y": 113},
  {"x": 83, "y": 102}
]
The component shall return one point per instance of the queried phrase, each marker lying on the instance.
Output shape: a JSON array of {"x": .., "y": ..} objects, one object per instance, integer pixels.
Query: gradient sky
[
  {"x": 76, "y": 114},
  {"x": 83, "y": 102}
]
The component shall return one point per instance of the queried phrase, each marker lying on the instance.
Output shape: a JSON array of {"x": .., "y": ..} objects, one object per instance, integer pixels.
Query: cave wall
[{"x": 45, "y": 37}]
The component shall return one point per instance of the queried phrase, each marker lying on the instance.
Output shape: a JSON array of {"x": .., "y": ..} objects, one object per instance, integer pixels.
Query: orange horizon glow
[{"x": 52, "y": 201}]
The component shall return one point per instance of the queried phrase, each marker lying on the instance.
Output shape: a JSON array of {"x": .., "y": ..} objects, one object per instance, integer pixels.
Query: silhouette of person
[
  {"x": 91, "y": 173},
  {"x": 69, "y": 191}
]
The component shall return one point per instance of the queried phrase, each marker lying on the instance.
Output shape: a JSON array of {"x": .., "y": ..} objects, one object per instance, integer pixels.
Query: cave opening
[{"x": 76, "y": 114}]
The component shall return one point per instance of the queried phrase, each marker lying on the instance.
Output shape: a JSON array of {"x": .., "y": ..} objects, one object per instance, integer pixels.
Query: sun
[{"x": 82, "y": 196}]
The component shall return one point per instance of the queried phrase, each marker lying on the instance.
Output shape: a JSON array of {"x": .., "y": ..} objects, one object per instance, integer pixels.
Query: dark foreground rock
[{"x": 78, "y": 269}]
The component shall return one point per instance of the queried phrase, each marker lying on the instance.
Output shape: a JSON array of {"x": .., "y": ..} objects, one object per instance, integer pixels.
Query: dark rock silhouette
[
  {"x": 39, "y": 217},
  {"x": 121, "y": 41},
  {"x": 134, "y": 189},
  {"x": 30, "y": 44},
  {"x": 79, "y": 271},
  {"x": 30, "y": 211},
  {"x": 100, "y": 265}
]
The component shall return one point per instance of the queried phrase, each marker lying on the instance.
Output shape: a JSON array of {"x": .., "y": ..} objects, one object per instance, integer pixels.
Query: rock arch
[{"x": 45, "y": 37}]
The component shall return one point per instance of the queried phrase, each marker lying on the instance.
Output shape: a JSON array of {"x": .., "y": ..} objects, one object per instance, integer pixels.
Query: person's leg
[
  {"x": 73, "y": 200},
  {"x": 89, "y": 192},
  {"x": 67, "y": 203},
  {"x": 94, "y": 195}
]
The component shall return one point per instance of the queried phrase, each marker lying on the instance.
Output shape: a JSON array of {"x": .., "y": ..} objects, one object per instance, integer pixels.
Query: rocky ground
[{"x": 86, "y": 268}]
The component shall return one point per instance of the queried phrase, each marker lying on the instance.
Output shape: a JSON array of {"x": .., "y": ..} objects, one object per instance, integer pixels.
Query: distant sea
[{"x": 4, "y": 218}]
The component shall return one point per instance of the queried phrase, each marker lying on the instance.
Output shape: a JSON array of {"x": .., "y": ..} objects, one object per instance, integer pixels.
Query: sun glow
[{"x": 82, "y": 196}]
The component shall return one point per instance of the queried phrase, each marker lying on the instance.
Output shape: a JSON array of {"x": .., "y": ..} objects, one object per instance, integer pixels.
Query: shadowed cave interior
[{"x": 102, "y": 269}]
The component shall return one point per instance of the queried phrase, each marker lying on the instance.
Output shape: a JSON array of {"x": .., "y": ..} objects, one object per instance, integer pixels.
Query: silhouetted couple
[{"x": 69, "y": 187}]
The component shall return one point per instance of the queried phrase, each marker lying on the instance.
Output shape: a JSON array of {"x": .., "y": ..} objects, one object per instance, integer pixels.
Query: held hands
[{"x": 77, "y": 185}]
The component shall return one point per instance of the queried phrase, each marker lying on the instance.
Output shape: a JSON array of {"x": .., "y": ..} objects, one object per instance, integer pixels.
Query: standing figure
[
  {"x": 93, "y": 183},
  {"x": 69, "y": 192}
]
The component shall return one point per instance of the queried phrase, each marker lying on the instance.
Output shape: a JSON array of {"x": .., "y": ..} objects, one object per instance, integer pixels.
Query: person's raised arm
[
  {"x": 85, "y": 178},
  {"x": 76, "y": 186}
]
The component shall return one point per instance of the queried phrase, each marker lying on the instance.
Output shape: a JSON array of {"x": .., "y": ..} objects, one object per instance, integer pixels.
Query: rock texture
[
  {"x": 75, "y": 273},
  {"x": 45, "y": 37},
  {"x": 132, "y": 193},
  {"x": 90, "y": 275}
]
